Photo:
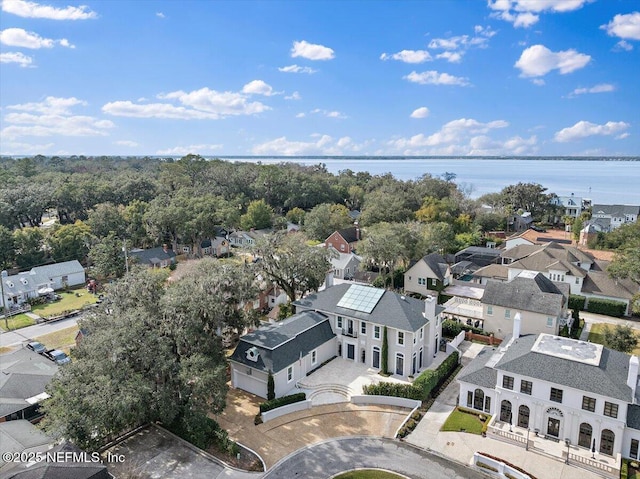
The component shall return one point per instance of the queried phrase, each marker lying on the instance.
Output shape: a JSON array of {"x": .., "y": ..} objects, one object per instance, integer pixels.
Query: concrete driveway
[{"x": 282, "y": 436}]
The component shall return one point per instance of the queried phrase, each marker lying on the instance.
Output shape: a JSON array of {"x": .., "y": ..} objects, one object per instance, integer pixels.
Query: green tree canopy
[
  {"x": 621, "y": 338},
  {"x": 324, "y": 219},
  {"x": 259, "y": 215}
]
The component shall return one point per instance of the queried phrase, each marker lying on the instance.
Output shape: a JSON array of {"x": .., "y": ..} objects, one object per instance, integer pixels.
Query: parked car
[
  {"x": 36, "y": 346},
  {"x": 59, "y": 357}
]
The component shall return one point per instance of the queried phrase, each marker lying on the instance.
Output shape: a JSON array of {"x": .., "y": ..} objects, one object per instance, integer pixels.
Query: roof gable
[{"x": 537, "y": 294}]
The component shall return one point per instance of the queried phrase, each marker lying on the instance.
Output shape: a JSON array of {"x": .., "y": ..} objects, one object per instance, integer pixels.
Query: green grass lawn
[
  {"x": 17, "y": 321},
  {"x": 63, "y": 339},
  {"x": 596, "y": 335},
  {"x": 68, "y": 302},
  {"x": 368, "y": 474},
  {"x": 459, "y": 419}
]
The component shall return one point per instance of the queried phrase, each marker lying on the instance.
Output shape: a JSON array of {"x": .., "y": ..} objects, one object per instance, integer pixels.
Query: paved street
[
  {"x": 337, "y": 455},
  {"x": 11, "y": 338}
]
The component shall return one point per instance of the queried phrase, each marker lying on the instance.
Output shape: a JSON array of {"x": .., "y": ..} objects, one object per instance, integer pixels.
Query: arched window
[
  {"x": 584, "y": 437},
  {"x": 523, "y": 416},
  {"x": 607, "y": 439},
  {"x": 478, "y": 399},
  {"x": 505, "y": 411}
]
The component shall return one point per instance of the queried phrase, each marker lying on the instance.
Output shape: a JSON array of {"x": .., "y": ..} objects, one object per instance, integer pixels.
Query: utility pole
[{"x": 4, "y": 301}]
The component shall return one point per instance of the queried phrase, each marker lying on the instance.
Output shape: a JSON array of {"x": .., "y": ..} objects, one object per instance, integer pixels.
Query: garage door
[{"x": 249, "y": 384}]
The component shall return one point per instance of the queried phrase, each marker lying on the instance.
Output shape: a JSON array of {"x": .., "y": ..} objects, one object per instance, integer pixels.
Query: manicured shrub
[
  {"x": 283, "y": 401},
  {"x": 577, "y": 302},
  {"x": 606, "y": 306},
  {"x": 451, "y": 329}
]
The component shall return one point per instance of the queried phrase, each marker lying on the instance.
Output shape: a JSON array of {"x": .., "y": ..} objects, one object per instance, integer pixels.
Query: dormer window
[{"x": 253, "y": 354}]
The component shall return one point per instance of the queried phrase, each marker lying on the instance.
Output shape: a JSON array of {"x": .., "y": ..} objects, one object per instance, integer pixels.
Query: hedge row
[
  {"x": 606, "y": 306},
  {"x": 577, "y": 302},
  {"x": 423, "y": 386},
  {"x": 451, "y": 329},
  {"x": 283, "y": 401}
]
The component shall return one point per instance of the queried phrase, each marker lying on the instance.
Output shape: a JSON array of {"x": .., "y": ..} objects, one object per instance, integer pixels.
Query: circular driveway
[{"x": 331, "y": 457}]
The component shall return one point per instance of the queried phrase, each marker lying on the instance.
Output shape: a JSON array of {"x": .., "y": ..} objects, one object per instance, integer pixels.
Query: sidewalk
[{"x": 461, "y": 446}]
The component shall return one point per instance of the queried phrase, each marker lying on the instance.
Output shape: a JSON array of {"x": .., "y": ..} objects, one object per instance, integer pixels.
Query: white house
[
  {"x": 571, "y": 205},
  {"x": 40, "y": 280},
  {"x": 289, "y": 349},
  {"x": 345, "y": 265},
  {"x": 558, "y": 388},
  {"x": 359, "y": 316},
  {"x": 610, "y": 217},
  {"x": 428, "y": 275}
]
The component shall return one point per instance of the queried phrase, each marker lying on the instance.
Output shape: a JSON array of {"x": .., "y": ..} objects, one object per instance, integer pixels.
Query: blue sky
[{"x": 217, "y": 78}]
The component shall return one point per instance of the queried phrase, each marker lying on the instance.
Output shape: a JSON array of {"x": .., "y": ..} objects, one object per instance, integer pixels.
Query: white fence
[
  {"x": 288, "y": 409},
  {"x": 386, "y": 400},
  {"x": 498, "y": 468}
]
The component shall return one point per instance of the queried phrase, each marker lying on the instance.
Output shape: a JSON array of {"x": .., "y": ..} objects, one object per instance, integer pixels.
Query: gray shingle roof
[
  {"x": 554, "y": 256},
  {"x": 600, "y": 283},
  {"x": 493, "y": 271},
  {"x": 153, "y": 255},
  {"x": 18, "y": 435},
  {"x": 476, "y": 372},
  {"x": 616, "y": 210},
  {"x": 393, "y": 310},
  {"x": 282, "y": 343},
  {"x": 59, "y": 269},
  {"x": 437, "y": 264},
  {"x": 608, "y": 379},
  {"x": 537, "y": 294}
]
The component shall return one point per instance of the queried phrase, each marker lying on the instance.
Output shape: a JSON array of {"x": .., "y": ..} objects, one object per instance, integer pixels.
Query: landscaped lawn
[
  {"x": 459, "y": 419},
  {"x": 596, "y": 335},
  {"x": 63, "y": 339},
  {"x": 368, "y": 474},
  {"x": 69, "y": 302},
  {"x": 16, "y": 322}
]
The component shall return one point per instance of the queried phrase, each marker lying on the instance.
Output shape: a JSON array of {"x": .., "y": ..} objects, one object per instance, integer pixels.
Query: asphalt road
[
  {"x": 10, "y": 338},
  {"x": 326, "y": 459}
]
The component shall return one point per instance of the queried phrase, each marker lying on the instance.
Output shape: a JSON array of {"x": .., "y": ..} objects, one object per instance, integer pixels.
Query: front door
[
  {"x": 351, "y": 351},
  {"x": 553, "y": 427},
  {"x": 376, "y": 358}
]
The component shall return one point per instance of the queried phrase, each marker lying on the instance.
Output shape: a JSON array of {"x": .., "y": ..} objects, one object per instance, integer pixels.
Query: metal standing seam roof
[
  {"x": 392, "y": 310},
  {"x": 281, "y": 344}
]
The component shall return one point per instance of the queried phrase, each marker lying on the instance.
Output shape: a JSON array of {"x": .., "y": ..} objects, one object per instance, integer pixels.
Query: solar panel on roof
[{"x": 361, "y": 298}]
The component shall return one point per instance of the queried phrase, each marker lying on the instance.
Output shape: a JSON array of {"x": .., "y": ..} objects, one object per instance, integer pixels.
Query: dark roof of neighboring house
[
  {"x": 537, "y": 294},
  {"x": 153, "y": 255},
  {"x": 350, "y": 235},
  {"x": 18, "y": 435},
  {"x": 608, "y": 379},
  {"x": 23, "y": 375},
  {"x": 477, "y": 372},
  {"x": 392, "y": 310},
  {"x": 437, "y": 264},
  {"x": 60, "y": 470},
  {"x": 282, "y": 343},
  {"x": 616, "y": 210},
  {"x": 480, "y": 250},
  {"x": 633, "y": 416}
]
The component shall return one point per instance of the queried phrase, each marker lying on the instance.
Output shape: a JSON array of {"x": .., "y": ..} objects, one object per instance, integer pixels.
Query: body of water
[{"x": 604, "y": 181}]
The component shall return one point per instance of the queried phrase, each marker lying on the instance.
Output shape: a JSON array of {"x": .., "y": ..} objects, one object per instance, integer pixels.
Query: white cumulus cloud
[
  {"x": 16, "y": 57},
  {"x": 421, "y": 112},
  {"x": 433, "y": 77},
  {"x": 525, "y": 13},
  {"x": 18, "y": 37},
  {"x": 202, "y": 104},
  {"x": 297, "y": 69},
  {"x": 185, "y": 150},
  {"x": 311, "y": 51},
  {"x": 408, "y": 56},
  {"x": 160, "y": 15},
  {"x": 451, "y": 57},
  {"x": 319, "y": 145},
  {"x": 294, "y": 96},
  {"x": 257, "y": 87},
  {"x": 584, "y": 129},
  {"x": 26, "y": 9},
  {"x": 600, "y": 88},
  {"x": 538, "y": 60},
  {"x": 52, "y": 117},
  {"x": 624, "y": 26}
]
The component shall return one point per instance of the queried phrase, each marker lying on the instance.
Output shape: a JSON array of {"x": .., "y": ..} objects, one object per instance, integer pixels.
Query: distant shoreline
[{"x": 382, "y": 158}]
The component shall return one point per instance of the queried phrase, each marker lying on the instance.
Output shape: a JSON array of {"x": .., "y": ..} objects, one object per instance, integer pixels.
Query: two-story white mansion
[
  {"x": 559, "y": 388},
  {"x": 345, "y": 320}
]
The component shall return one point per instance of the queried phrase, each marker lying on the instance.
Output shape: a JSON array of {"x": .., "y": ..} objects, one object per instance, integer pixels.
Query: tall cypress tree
[
  {"x": 385, "y": 352},
  {"x": 271, "y": 387}
]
